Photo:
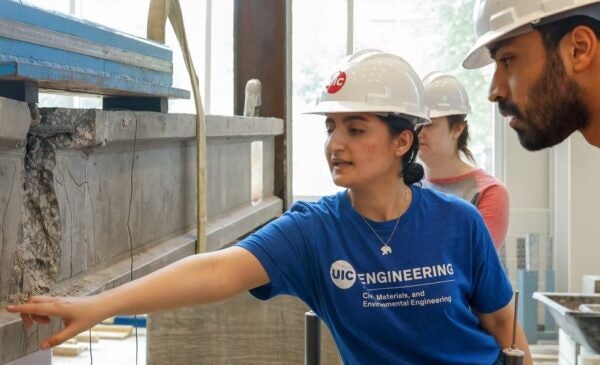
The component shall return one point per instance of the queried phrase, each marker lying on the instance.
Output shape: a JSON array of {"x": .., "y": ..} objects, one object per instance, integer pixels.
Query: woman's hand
[{"x": 77, "y": 314}]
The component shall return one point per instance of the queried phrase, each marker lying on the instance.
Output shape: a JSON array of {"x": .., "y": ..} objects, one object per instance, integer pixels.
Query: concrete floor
[{"x": 122, "y": 352}]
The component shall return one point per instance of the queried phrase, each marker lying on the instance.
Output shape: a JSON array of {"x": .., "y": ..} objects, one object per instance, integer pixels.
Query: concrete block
[
  {"x": 15, "y": 119},
  {"x": 36, "y": 358}
]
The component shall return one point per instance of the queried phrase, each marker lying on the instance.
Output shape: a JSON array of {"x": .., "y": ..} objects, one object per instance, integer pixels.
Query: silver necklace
[{"x": 385, "y": 248}]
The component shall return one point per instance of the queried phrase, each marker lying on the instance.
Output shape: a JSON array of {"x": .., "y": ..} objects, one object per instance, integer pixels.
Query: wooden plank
[
  {"x": 68, "y": 349},
  {"x": 112, "y": 331},
  {"x": 111, "y": 335},
  {"x": 87, "y": 336}
]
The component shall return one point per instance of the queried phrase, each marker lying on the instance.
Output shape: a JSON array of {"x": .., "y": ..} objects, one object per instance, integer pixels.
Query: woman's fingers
[
  {"x": 45, "y": 306},
  {"x": 40, "y": 309},
  {"x": 62, "y": 336},
  {"x": 40, "y": 319},
  {"x": 74, "y": 312},
  {"x": 27, "y": 322}
]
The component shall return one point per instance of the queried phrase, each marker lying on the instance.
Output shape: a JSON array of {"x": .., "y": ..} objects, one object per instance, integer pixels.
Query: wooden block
[
  {"x": 112, "y": 331},
  {"x": 112, "y": 328},
  {"x": 85, "y": 337},
  {"x": 68, "y": 349},
  {"x": 111, "y": 335}
]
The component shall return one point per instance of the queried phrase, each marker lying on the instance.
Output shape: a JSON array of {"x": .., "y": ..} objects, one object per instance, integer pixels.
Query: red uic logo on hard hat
[{"x": 336, "y": 83}]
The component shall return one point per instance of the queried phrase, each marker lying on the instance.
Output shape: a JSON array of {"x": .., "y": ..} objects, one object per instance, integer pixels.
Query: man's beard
[{"x": 556, "y": 108}]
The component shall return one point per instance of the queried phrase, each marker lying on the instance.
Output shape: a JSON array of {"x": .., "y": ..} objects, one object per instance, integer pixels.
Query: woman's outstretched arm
[{"x": 196, "y": 279}]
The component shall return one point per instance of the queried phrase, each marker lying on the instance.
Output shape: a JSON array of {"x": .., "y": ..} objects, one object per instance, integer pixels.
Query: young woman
[
  {"x": 401, "y": 275},
  {"x": 443, "y": 143}
]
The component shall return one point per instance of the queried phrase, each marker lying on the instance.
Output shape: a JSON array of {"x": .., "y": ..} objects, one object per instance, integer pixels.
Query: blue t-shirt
[{"x": 408, "y": 307}]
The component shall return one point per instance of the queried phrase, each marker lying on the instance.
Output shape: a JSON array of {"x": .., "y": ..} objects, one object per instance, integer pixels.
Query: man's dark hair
[{"x": 553, "y": 32}]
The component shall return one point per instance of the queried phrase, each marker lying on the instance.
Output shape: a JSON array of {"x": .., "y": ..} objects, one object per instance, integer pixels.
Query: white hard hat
[
  {"x": 371, "y": 81},
  {"x": 500, "y": 19},
  {"x": 445, "y": 95}
]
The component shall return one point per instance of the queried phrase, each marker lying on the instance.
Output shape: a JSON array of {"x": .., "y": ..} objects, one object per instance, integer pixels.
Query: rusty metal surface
[{"x": 260, "y": 52}]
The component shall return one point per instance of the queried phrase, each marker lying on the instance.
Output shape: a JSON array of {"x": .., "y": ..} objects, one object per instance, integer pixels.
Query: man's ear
[{"x": 579, "y": 48}]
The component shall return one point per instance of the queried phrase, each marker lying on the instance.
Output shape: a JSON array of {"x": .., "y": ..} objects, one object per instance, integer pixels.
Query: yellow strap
[{"x": 158, "y": 13}]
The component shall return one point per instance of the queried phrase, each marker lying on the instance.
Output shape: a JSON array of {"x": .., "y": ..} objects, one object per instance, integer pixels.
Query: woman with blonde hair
[{"x": 449, "y": 164}]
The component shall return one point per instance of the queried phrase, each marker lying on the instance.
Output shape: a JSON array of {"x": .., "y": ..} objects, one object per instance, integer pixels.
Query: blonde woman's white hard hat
[{"x": 445, "y": 95}]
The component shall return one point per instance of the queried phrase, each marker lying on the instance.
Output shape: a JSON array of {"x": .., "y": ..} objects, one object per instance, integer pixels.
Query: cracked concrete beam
[
  {"x": 79, "y": 184},
  {"x": 100, "y": 184}
]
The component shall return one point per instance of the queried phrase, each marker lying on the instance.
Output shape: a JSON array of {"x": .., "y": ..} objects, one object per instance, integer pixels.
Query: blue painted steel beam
[
  {"x": 62, "y": 23},
  {"x": 60, "y": 52},
  {"x": 53, "y": 78}
]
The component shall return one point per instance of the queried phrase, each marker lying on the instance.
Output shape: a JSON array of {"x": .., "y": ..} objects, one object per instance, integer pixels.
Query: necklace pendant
[{"x": 386, "y": 250}]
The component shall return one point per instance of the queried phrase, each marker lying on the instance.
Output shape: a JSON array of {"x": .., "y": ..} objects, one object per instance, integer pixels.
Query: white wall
[
  {"x": 584, "y": 226},
  {"x": 526, "y": 175},
  {"x": 555, "y": 193}
]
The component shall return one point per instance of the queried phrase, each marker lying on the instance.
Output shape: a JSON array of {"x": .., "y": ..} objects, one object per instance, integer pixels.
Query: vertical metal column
[
  {"x": 528, "y": 278},
  {"x": 312, "y": 339},
  {"x": 261, "y": 52}
]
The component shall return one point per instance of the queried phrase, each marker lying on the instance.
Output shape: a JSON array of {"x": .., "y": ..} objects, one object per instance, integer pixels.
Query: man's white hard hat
[{"x": 501, "y": 19}]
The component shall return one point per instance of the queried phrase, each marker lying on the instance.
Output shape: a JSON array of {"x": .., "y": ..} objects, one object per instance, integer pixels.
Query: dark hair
[
  {"x": 412, "y": 172},
  {"x": 463, "y": 140},
  {"x": 553, "y": 32}
]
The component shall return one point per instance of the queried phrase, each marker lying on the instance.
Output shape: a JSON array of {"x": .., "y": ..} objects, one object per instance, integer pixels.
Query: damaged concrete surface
[
  {"x": 38, "y": 256},
  {"x": 89, "y": 199},
  {"x": 85, "y": 189}
]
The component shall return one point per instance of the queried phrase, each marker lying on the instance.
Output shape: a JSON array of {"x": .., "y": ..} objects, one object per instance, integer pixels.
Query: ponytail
[{"x": 412, "y": 171}]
